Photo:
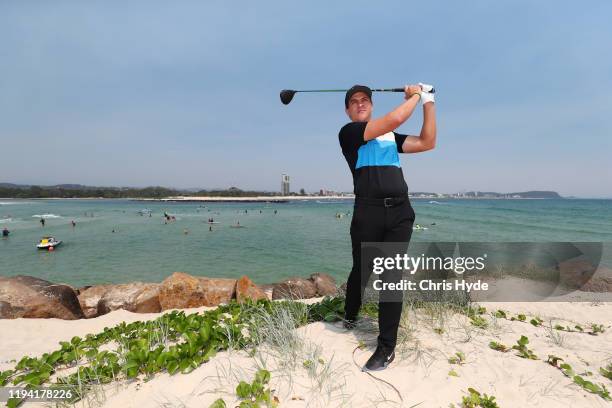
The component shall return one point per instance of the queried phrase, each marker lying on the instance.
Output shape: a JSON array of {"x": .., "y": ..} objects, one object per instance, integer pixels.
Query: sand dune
[{"x": 323, "y": 367}]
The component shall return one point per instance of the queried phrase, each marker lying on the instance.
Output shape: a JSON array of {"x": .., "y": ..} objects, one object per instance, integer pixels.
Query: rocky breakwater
[
  {"x": 29, "y": 297},
  {"x": 26, "y": 296}
]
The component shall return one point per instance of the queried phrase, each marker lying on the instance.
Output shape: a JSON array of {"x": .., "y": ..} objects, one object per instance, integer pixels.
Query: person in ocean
[
  {"x": 5, "y": 232},
  {"x": 42, "y": 222}
]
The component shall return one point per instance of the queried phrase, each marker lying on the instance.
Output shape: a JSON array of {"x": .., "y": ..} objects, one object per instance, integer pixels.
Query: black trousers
[{"x": 373, "y": 223}]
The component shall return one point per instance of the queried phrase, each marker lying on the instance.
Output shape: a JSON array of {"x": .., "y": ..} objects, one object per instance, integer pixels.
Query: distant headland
[{"x": 9, "y": 190}]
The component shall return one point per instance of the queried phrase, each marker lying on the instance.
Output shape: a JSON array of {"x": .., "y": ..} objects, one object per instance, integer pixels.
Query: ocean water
[{"x": 302, "y": 238}]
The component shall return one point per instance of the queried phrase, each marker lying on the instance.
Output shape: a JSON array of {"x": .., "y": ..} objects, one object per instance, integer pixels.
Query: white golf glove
[{"x": 426, "y": 95}]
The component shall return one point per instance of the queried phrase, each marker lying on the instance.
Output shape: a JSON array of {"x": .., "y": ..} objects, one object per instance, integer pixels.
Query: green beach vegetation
[
  {"x": 178, "y": 343},
  {"x": 175, "y": 343},
  {"x": 477, "y": 400}
]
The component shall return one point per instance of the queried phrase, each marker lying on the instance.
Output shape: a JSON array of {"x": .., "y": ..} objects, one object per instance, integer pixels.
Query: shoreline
[
  {"x": 277, "y": 199},
  {"x": 253, "y": 199}
]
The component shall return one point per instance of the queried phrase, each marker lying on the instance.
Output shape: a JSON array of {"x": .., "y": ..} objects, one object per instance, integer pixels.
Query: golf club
[{"x": 286, "y": 95}]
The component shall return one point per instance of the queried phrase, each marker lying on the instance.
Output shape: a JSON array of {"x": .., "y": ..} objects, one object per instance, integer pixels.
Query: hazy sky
[{"x": 185, "y": 94}]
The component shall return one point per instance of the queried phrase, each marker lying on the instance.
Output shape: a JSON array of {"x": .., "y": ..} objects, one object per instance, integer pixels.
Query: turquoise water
[{"x": 302, "y": 238}]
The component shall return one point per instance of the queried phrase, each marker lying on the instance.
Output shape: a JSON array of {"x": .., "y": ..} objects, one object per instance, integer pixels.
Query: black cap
[{"x": 354, "y": 89}]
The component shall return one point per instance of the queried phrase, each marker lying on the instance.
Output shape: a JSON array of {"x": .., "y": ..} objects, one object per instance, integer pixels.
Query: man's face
[{"x": 359, "y": 107}]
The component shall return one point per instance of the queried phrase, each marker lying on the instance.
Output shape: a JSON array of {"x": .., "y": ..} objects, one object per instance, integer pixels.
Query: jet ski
[{"x": 48, "y": 242}]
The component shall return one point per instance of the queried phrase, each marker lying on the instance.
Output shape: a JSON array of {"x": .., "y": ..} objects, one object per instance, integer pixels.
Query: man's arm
[
  {"x": 396, "y": 117},
  {"x": 427, "y": 139}
]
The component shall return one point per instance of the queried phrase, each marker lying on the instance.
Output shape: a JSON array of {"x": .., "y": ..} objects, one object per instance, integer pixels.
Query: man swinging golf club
[{"x": 382, "y": 212}]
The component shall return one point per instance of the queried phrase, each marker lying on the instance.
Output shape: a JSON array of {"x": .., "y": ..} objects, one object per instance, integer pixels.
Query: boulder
[
  {"x": 600, "y": 282},
  {"x": 30, "y": 297},
  {"x": 574, "y": 273},
  {"x": 268, "y": 289},
  {"x": 89, "y": 298},
  {"x": 7, "y": 311},
  {"x": 181, "y": 290},
  {"x": 294, "y": 288},
  {"x": 324, "y": 284},
  {"x": 246, "y": 289},
  {"x": 598, "y": 285},
  {"x": 137, "y": 297}
]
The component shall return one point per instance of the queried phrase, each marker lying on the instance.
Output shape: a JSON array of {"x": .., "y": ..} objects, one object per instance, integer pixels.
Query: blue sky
[{"x": 185, "y": 94}]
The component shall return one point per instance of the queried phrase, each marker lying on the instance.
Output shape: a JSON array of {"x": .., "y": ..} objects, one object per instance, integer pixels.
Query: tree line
[{"x": 123, "y": 192}]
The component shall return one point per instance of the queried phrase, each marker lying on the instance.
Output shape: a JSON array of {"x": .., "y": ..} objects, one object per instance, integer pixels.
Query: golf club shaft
[
  {"x": 344, "y": 90},
  {"x": 286, "y": 95}
]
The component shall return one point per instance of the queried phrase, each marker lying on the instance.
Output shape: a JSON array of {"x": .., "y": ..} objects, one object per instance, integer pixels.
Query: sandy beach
[
  {"x": 253, "y": 199},
  {"x": 323, "y": 369}
]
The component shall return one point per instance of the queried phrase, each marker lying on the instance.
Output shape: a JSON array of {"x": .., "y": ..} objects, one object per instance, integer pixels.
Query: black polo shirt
[{"x": 375, "y": 164}]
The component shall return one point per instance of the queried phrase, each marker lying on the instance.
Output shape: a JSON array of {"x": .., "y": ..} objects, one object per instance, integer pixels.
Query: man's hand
[
  {"x": 411, "y": 90},
  {"x": 426, "y": 95},
  {"x": 426, "y": 87},
  {"x": 394, "y": 119},
  {"x": 427, "y": 139}
]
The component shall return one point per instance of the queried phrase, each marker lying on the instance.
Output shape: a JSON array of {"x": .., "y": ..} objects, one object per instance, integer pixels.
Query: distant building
[
  {"x": 329, "y": 193},
  {"x": 285, "y": 184}
]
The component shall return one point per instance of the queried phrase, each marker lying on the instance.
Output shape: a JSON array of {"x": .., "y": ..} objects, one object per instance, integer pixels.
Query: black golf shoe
[
  {"x": 349, "y": 324},
  {"x": 381, "y": 358}
]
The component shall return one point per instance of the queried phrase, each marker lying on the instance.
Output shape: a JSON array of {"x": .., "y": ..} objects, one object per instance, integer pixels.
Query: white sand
[{"x": 420, "y": 371}]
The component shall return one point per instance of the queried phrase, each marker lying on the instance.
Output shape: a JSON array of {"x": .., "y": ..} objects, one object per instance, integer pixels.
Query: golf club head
[{"x": 286, "y": 96}]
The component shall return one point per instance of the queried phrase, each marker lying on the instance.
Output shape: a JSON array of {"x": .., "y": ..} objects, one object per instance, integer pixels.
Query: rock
[
  {"x": 26, "y": 296},
  {"x": 598, "y": 285},
  {"x": 576, "y": 272},
  {"x": 581, "y": 274},
  {"x": 324, "y": 284},
  {"x": 137, "y": 297},
  {"x": 89, "y": 298},
  {"x": 9, "y": 312},
  {"x": 268, "y": 289},
  {"x": 294, "y": 288},
  {"x": 600, "y": 282},
  {"x": 246, "y": 289},
  {"x": 82, "y": 288},
  {"x": 180, "y": 290}
]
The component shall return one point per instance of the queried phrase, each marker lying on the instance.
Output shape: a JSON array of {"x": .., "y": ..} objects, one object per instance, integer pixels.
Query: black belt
[{"x": 382, "y": 202}]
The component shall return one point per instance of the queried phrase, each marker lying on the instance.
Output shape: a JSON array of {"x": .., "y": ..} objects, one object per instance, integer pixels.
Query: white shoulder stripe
[{"x": 387, "y": 137}]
